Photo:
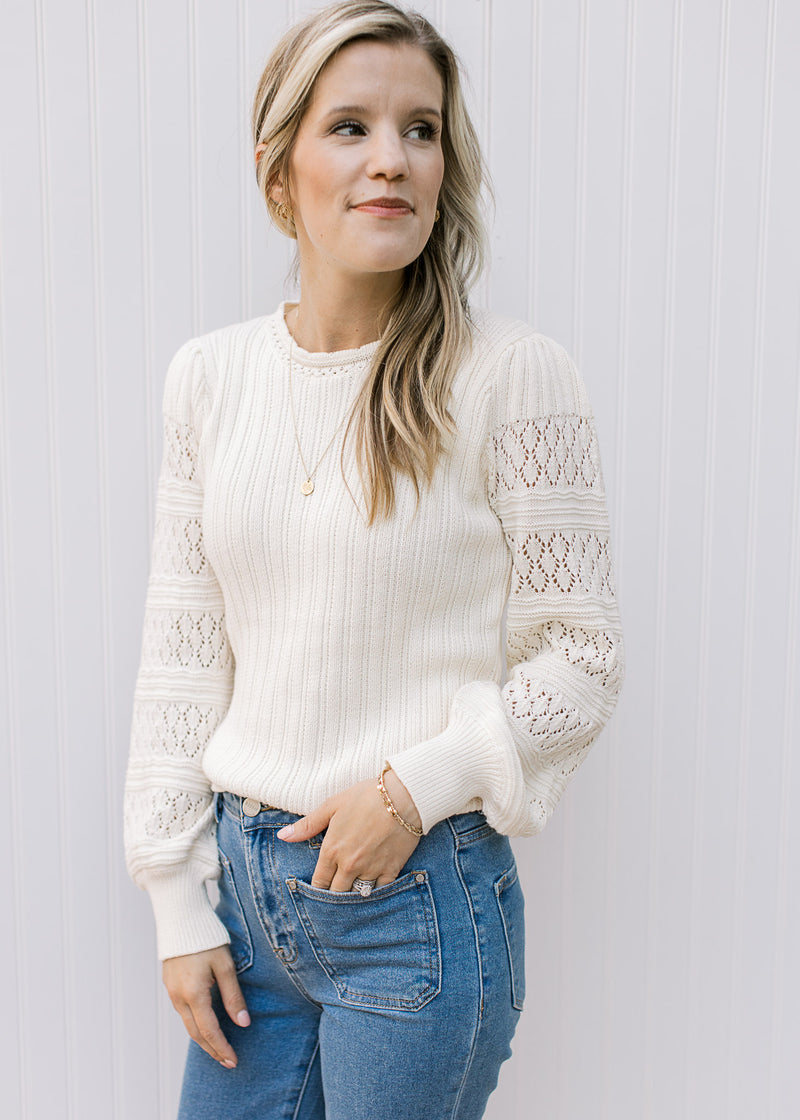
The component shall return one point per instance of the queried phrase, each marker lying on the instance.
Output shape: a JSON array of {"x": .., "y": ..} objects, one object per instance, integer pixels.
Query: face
[{"x": 367, "y": 164}]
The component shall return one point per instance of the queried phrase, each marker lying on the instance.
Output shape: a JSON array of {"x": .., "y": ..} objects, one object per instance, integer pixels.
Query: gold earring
[
  {"x": 283, "y": 212},
  {"x": 436, "y": 219}
]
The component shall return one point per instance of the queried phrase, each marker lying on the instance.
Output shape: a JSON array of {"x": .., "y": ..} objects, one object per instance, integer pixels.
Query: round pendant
[{"x": 307, "y": 487}]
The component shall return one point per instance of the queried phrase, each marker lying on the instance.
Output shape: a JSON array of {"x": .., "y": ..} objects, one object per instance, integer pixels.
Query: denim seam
[
  {"x": 350, "y": 898},
  {"x": 287, "y": 964},
  {"x": 304, "y": 1086},
  {"x": 259, "y": 906},
  {"x": 432, "y": 921},
  {"x": 476, "y": 1032},
  {"x": 322, "y": 963},
  {"x": 227, "y": 870},
  {"x": 479, "y": 832},
  {"x": 225, "y": 809},
  {"x": 507, "y": 879},
  {"x": 298, "y": 983}
]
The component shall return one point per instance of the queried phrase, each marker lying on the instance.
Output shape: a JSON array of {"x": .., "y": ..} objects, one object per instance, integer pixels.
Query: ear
[
  {"x": 275, "y": 191},
  {"x": 275, "y": 187}
]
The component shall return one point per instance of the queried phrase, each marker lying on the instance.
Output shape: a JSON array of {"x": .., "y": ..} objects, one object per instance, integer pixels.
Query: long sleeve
[
  {"x": 183, "y": 687},
  {"x": 515, "y": 747}
]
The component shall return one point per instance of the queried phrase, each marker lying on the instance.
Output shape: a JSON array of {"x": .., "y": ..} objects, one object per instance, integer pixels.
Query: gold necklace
[{"x": 307, "y": 485}]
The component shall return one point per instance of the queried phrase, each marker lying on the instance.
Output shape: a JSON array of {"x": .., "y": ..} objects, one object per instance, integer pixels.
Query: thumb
[
  {"x": 231, "y": 993},
  {"x": 307, "y": 826}
]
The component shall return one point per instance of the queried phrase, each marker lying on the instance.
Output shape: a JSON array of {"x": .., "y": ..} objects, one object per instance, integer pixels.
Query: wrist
[{"x": 402, "y": 799}]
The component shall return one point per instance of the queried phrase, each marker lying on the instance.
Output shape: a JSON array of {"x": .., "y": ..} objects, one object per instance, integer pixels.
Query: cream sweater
[{"x": 289, "y": 650}]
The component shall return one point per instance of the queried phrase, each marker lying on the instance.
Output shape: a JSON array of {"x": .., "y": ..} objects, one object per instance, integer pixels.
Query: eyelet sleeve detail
[
  {"x": 183, "y": 687},
  {"x": 515, "y": 747}
]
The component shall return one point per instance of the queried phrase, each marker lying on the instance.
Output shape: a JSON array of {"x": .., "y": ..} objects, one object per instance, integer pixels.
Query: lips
[{"x": 384, "y": 203}]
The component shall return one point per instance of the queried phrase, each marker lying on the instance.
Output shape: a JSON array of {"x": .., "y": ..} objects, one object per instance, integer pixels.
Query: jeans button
[{"x": 251, "y": 807}]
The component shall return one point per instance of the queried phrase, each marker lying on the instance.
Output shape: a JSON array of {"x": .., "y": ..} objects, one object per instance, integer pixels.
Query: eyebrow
[{"x": 421, "y": 110}]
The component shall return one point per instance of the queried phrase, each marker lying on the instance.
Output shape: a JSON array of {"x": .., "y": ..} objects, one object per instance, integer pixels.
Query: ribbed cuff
[
  {"x": 185, "y": 919},
  {"x": 474, "y": 757}
]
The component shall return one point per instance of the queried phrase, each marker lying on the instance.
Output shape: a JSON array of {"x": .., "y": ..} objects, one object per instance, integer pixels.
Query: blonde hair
[{"x": 400, "y": 420}]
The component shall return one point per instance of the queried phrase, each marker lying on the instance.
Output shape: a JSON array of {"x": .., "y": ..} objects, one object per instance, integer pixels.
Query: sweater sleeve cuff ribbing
[
  {"x": 185, "y": 919},
  {"x": 474, "y": 757}
]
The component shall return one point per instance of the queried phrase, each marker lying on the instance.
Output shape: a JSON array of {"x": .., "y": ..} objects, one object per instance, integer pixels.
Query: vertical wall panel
[
  {"x": 647, "y": 175},
  {"x": 15, "y": 73},
  {"x": 780, "y": 475},
  {"x": 34, "y": 553}
]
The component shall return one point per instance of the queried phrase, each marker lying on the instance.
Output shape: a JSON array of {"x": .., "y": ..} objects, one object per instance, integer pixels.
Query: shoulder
[
  {"x": 219, "y": 348},
  {"x": 528, "y": 374},
  {"x": 196, "y": 367},
  {"x": 229, "y": 338}
]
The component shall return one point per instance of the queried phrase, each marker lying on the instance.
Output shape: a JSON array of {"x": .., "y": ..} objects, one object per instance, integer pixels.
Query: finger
[
  {"x": 384, "y": 880},
  {"x": 231, "y": 993},
  {"x": 192, "y": 1029},
  {"x": 324, "y": 871},
  {"x": 342, "y": 880},
  {"x": 211, "y": 1037},
  {"x": 306, "y": 827}
]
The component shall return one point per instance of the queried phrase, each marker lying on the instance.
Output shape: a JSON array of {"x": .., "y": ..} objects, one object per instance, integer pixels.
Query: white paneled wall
[{"x": 647, "y": 176}]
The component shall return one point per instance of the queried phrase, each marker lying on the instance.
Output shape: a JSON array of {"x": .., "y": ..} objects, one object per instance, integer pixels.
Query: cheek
[
  {"x": 435, "y": 177},
  {"x": 318, "y": 191},
  {"x": 308, "y": 194}
]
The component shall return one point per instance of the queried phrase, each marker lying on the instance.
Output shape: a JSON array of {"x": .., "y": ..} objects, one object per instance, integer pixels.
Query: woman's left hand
[{"x": 363, "y": 840}]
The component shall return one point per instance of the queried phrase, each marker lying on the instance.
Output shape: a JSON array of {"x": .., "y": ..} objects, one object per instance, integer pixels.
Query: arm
[
  {"x": 182, "y": 692},
  {"x": 516, "y": 747},
  {"x": 183, "y": 688}
]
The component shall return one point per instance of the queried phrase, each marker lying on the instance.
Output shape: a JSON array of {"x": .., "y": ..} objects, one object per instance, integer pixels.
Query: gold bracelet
[{"x": 390, "y": 806}]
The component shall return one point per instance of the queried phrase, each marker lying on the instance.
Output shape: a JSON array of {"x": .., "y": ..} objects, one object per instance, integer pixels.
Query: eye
[
  {"x": 422, "y": 130},
  {"x": 348, "y": 128}
]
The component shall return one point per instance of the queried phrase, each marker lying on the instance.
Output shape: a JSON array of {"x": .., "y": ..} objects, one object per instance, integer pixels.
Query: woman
[{"x": 355, "y": 490}]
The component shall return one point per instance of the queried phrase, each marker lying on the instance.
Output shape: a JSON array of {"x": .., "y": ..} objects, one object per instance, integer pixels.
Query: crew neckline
[{"x": 335, "y": 362}]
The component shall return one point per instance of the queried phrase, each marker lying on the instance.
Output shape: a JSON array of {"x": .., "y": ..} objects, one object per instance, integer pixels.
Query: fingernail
[
  {"x": 228, "y": 1064},
  {"x": 286, "y": 832},
  {"x": 243, "y": 1019}
]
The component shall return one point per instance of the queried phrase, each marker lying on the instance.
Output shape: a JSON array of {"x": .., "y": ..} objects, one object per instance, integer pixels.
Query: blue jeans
[{"x": 400, "y": 1006}]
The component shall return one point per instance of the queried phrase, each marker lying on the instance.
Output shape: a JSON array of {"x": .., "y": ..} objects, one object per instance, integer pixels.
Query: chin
[{"x": 387, "y": 261}]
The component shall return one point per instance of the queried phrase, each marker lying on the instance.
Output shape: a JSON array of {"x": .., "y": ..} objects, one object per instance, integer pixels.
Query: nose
[{"x": 387, "y": 155}]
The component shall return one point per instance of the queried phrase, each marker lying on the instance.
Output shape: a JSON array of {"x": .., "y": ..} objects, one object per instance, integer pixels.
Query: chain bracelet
[{"x": 391, "y": 809}]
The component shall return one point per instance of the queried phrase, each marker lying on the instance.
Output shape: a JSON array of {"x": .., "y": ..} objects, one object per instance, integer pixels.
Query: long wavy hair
[{"x": 400, "y": 420}]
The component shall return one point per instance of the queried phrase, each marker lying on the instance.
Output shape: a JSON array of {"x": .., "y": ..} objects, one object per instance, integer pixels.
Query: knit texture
[{"x": 289, "y": 650}]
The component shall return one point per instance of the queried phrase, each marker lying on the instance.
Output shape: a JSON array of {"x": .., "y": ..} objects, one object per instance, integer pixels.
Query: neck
[{"x": 342, "y": 316}]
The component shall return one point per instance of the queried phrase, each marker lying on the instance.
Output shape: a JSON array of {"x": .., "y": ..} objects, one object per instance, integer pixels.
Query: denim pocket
[
  {"x": 509, "y": 898},
  {"x": 231, "y": 914},
  {"x": 382, "y": 951}
]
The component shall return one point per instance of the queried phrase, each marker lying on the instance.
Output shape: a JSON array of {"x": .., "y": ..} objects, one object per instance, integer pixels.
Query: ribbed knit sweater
[{"x": 289, "y": 650}]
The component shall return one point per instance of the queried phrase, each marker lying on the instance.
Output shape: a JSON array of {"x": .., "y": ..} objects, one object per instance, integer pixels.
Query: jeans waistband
[
  {"x": 256, "y": 813},
  {"x": 250, "y": 810}
]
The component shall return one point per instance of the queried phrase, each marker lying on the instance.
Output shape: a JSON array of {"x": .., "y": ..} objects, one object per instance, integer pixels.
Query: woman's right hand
[{"x": 189, "y": 980}]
